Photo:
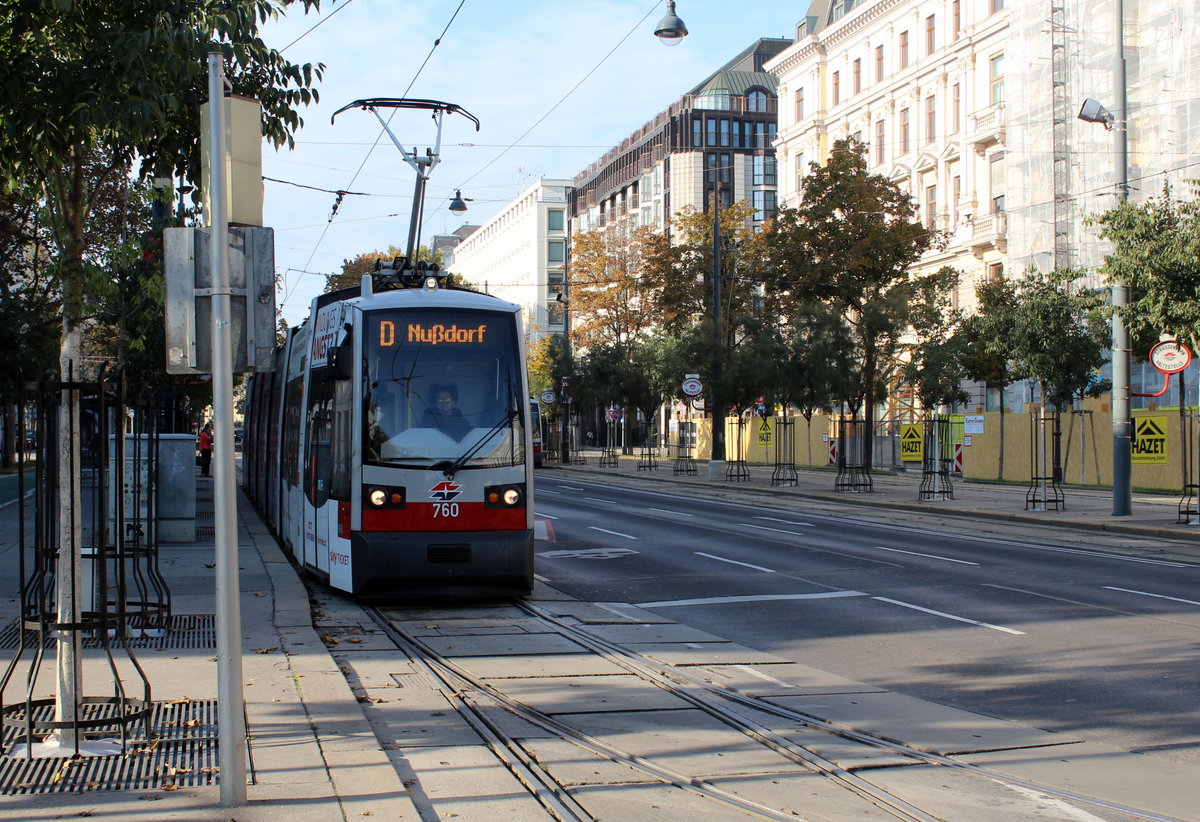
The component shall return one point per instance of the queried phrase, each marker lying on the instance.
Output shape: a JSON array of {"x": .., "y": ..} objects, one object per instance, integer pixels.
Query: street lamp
[
  {"x": 670, "y": 29},
  {"x": 1093, "y": 112},
  {"x": 716, "y": 462},
  {"x": 458, "y": 205}
]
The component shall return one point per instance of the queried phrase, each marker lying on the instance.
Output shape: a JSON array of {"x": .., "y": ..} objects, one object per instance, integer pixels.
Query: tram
[{"x": 391, "y": 449}]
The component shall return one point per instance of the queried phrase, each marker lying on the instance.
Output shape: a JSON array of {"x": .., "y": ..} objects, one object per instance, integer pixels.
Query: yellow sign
[
  {"x": 764, "y": 432},
  {"x": 912, "y": 442},
  {"x": 1150, "y": 440}
]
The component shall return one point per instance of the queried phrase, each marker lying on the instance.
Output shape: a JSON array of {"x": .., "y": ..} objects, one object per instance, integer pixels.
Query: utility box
[
  {"x": 243, "y": 160},
  {"x": 189, "y": 293},
  {"x": 172, "y": 484}
]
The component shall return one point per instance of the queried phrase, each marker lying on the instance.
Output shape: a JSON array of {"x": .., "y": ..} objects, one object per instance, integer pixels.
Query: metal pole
[
  {"x": 414, "y": 225},
  {"x": 231, "y": 727},
  {"x": 564, "y": 399},
  {"x": 1122, "y": 427},
  {"x": 716, "y": 464}
]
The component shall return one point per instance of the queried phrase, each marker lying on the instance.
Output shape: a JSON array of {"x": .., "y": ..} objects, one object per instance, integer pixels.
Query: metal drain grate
[
  {"x": 204, "y": 532},
  {"x": 183, "y": 631},
  {"x": 181, "y": 752}
]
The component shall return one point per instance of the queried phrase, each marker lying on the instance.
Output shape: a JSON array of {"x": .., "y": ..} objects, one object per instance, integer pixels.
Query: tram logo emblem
[{"x": 445, "y": 491}]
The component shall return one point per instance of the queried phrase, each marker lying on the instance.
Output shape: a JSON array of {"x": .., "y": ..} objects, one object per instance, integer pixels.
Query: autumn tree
[
  {"x": 612, "y": 299},
  {"x": 353, "y": 269},
  {"x": 851, "y": 244}
]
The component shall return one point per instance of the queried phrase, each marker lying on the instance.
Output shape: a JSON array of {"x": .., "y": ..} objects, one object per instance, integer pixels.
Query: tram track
[{"x": 477, "y": 698}]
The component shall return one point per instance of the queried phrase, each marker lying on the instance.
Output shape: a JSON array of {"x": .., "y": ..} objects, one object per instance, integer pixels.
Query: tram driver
[{"x": 444, "y": 415}]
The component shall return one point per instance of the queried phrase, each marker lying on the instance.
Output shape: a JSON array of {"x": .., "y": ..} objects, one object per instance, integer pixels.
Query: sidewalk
[
  {"x": 1153, "y": 514},
  {"x": 312, "y": 754}
]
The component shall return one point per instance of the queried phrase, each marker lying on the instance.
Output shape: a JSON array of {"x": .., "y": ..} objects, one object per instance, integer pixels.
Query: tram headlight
[
  {"x": 375, "y": 496},
  {"x": 504, "y": 496}
]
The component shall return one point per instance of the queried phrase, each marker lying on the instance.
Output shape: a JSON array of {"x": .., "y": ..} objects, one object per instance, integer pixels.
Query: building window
[
  {"x": 764, "y": 170},
  {"x": 554, "y": 313},
  {"x": 710, "y": 131},
  {"x": 904, "y": 146},
  {"x": 726, "y": 133},
  {"x": 697, "y": 133},
  {"x": 930, "y": 119},
  {"x": 996, "y": 169},
  {"x": 955, "y": 19},
  {"x": 554, "y": 219},
  {"x": 995, "y": 5},
  {"x": 955, "y": 195},
  {"x": 880, "y": 142},
  {"x": 764, "y": 205},
  {"x": 904, "y": 49},
  {"x": 756, "y": 100},
  {"x": 996, "y": 75},
  {"x": 931, "y": 207},
  {"x": 857, "y": 75},
  {"x": 764, "y": 135},
  {"x": 956, "y": 98},
  {"x": 799, "y": 104},
  {"x": 837, "y": 87},
  {"x": 879, "y": 64},
  {"x": 856, "y": 137},
  {"x": 930, "y": 39},
  {"x": 556, "y": 251},
  {"x": 801, "y": 170}
]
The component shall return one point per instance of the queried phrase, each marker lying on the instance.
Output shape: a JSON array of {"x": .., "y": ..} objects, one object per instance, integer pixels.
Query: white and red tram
[{"x": 391, "y": 449}]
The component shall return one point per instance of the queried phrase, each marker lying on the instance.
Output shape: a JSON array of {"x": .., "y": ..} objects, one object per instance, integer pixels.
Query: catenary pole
[{"x": 231, "y": 726}]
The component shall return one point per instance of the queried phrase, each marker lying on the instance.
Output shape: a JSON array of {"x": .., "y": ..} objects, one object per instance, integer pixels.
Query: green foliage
[
  {"x": 1157, "y": 254},
  {"x": 1041, "y": 328}
]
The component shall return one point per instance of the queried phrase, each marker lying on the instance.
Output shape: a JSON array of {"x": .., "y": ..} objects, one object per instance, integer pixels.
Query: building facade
[
  {"x": 520, "y": 255},
  {"x": 921, "y": 84},
  {"x": 723, "y": 128}
]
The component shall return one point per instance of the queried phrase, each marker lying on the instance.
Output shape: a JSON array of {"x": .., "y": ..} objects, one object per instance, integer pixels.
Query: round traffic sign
[
  {"x": 548, "y": 397},
  {"x": 1170, "y": 356},
  {"x": 692, "y": 387}
]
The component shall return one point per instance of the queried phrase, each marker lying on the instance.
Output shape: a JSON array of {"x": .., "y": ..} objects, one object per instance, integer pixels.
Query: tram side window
[
  {"x": 339, "y": 478},
  {"x": 291, "y": 430},
  {"x": 318, "y": 450}
]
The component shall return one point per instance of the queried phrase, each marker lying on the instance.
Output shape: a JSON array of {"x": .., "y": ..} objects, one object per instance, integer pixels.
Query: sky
[{"x": 554, "y": 85}]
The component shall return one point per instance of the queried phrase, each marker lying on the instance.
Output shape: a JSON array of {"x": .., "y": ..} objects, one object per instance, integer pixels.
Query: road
[{"x": 1064, "y": 631}]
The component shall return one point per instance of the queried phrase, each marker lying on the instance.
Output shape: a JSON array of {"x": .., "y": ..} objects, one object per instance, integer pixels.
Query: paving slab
[
  {"x": 572, "y": 765},
  {"x": 923, "y": 725},
  {"x": 683, "y": 654},
  {"x": 780, "y": 679},
  {"x": 645, "y": 633},
  {"x": 517, "y": 665},
  {"x": 602, "y": 613},
  {"x": 468, "y": 784},
  {"x": 647, "y": 801},
  {"x": 810, "y": 796},
  {"x": 688, "y": 741},
  {"x": 1149, "y": 783},
  {"x": 588, "y": 694},
  {"x": 504, "y": 645}
]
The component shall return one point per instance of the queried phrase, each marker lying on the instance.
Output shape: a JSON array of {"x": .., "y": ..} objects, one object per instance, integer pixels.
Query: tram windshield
[{"x": 443, "y": 389}]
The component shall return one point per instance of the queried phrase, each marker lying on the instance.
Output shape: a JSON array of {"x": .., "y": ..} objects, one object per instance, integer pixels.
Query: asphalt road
[{"x": 1063, "y": 631}]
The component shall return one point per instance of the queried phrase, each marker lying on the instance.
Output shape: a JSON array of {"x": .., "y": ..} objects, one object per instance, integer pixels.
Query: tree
[
  {"x": 851, "y": 244},
  {"x": 1157, "y": 253},
  {"x": 353, "y": 270},
  {"x": 612, "y": 300},
  {"x": 982, "y": 342}
]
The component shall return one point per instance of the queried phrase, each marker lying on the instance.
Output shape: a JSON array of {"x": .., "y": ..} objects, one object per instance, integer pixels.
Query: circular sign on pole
[
  {"x": 548, "y": 397},
  {"x": 1170, "y": 356},
  {"x": 692, "y": 387}
]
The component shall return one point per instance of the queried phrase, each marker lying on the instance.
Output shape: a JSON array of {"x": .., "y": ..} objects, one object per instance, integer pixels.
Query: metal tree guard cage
[
  {"x": 785, "y": 453},
  {"x": 1045, "y": 451},
  {"x": 936, "y": 463},
  {"x": 854, "y": 475},
  {"x": 88, "y": 568},
  {"x": 735, "y": 469}
]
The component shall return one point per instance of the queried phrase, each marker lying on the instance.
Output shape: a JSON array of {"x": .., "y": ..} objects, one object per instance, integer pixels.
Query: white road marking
[
  {"x": 734, "y": 562},
  {"x": 930, "y": 556},
  {"x": 670, "y": 603},
  {"x": 764, "y": 677},
  {"x": 588, "y": 553},
  {"x": 1156, "y": 596},
  {"x": 541, "y": 490},
  {"x": 541, "y": 578},
  {"x": 1053, "y": 802},
  {"x": 786, "y": 521},
  {"x": 951, "y": 616},
  {"x": 614, "y": 533},
  {"x": 613, "y": 609},
  {"x": 673, "y": 513},
  {"x": 570, "y": 488},
  {"x": 543, "y": 516},
  {"x": 597, "y": 499},
  {"x": 774, "y": 530}
]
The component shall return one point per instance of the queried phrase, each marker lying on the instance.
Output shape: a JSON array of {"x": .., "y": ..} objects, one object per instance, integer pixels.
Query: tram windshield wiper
[{"x": 451, "y": 468}]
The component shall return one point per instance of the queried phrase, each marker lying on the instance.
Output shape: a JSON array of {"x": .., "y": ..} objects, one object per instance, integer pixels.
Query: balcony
[
  {"x": 986, "y": 127},
  {"x": 989, "y": 231}
]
